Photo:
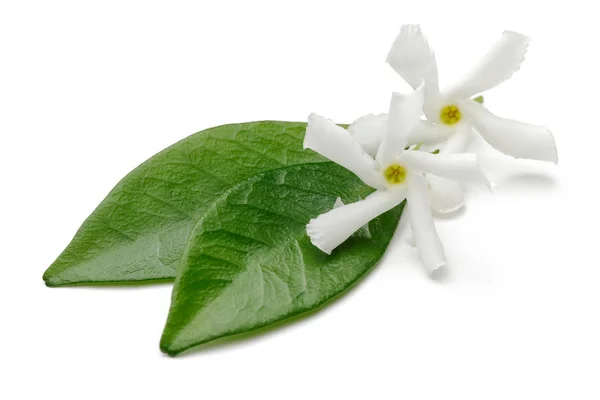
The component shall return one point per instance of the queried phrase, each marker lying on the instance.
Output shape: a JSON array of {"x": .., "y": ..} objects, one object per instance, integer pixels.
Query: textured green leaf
[
  {"x": 248, "y": 262},
  {"x": 139, "y": 231}
]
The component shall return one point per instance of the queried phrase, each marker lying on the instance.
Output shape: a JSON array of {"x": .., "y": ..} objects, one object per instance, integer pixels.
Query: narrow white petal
[
  {"x": 427, "y": 133},
  {"x": 331, "y": 229},
  {"x": 459, "y": 167},
  {"x": 498, "y": 65},
  {"x": 410, "y": 240},
  {"x": 405, "y": 113},
  {"x": 363, "y": 231},
  {"x": 333, "y": 142},
  {"x": 460, "y": 140},
  {"x": 369, "y": 131},
  {"x": 446, "y": 195},
  {"x": 412, "y": 58},
  {"x": 426, "y": 237},
  {"x": 514, "y": 138}
]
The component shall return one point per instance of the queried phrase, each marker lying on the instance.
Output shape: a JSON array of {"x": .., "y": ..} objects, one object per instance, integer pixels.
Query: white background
[{"x": 88, "y": 90}]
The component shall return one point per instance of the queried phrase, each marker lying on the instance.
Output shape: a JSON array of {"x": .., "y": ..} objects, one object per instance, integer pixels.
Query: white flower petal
[
  {"x": 369, "y": 131},
  {"x": 431, "y": 148},
  {"x": 333, "y": 142},
  {"x": 412, "y": 58},
  {"x": 459, "y": 167},
  {"x": 405, "y": 113},
  {"x": 460, "y": 140},
  {"x": 427, "y": 133},
  {"x": 498, "y": 65},
  {"x": 514, "y": 138},
  {"x": 331, "y": 229},
  {"x": 363, "y": 231},
  {"x": 410, "y": 240},
  {"x": 446, "y": 195},
  {"x": 423, "y": 228}
]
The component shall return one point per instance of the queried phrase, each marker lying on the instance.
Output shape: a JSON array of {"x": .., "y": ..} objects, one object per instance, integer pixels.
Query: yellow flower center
[
  {"x": 395, "y": 174},
  {"x": 450, "y": 115}
]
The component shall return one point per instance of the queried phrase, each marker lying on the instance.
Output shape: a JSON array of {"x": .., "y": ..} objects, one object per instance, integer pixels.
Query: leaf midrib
[{"x": 225, "y": 194}]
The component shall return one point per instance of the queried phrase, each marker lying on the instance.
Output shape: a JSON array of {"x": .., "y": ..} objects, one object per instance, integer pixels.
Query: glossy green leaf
[
  {"x": 248, "y": 262},
  {"x": 139, "y": 231}
]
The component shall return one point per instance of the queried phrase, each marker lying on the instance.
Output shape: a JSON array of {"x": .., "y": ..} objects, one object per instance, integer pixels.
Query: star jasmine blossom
[
  {"x": 395, "y": 173},
  {"x": 453, "y": 115},
  {"x": 453, "y": 108}
]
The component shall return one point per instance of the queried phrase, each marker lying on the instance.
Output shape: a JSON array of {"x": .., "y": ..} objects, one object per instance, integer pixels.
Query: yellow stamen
[
  {"x": 395, "y": 174},
  {"x": 450, "y": 115}
]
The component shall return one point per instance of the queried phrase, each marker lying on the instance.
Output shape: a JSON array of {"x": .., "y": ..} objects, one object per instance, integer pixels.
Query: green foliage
[
  {"x": 248, "y": 262},
  {"x": 139, "y": 231},
  {"x": 225, "y": 212}
]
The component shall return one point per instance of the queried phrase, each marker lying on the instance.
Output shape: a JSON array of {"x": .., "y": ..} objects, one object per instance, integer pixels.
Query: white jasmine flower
[
  {"x": 445, "y": 195},
  {"x": 395, "y": 173},
  {"x": 452, "y": 114},
  {"x": 452, "y": 109}
]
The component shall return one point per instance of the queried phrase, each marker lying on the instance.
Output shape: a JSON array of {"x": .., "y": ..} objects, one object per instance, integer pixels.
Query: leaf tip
[
  {"x": 166, "y": 346},
  {"x": 50, "y": 279}
]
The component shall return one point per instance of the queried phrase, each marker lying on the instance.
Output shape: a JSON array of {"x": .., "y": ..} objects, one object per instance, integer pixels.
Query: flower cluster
[{"x": 384, "y": 150}]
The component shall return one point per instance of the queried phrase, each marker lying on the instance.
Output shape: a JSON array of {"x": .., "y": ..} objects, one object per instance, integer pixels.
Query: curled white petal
[
  {"x": 369, "y": 131},
  {"x": 333, "y": 142},
  {"x": 496, "y": 66},
  {"x": 405, "y": 113},
  {"x": 459, "y": 167},
  {"x": 446, "y": 195},
  {"x": 426, "y": 238},
  {"x": 331, "y": 229},
  {"x": 514, "y": 138},
  {"x": 412, "y": 58}
]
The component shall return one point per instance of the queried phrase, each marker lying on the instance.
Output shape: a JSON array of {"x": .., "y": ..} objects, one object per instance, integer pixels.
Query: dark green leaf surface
[
  {"x": 248, "y": 262},
  {"x": 139, "y": 231}
]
